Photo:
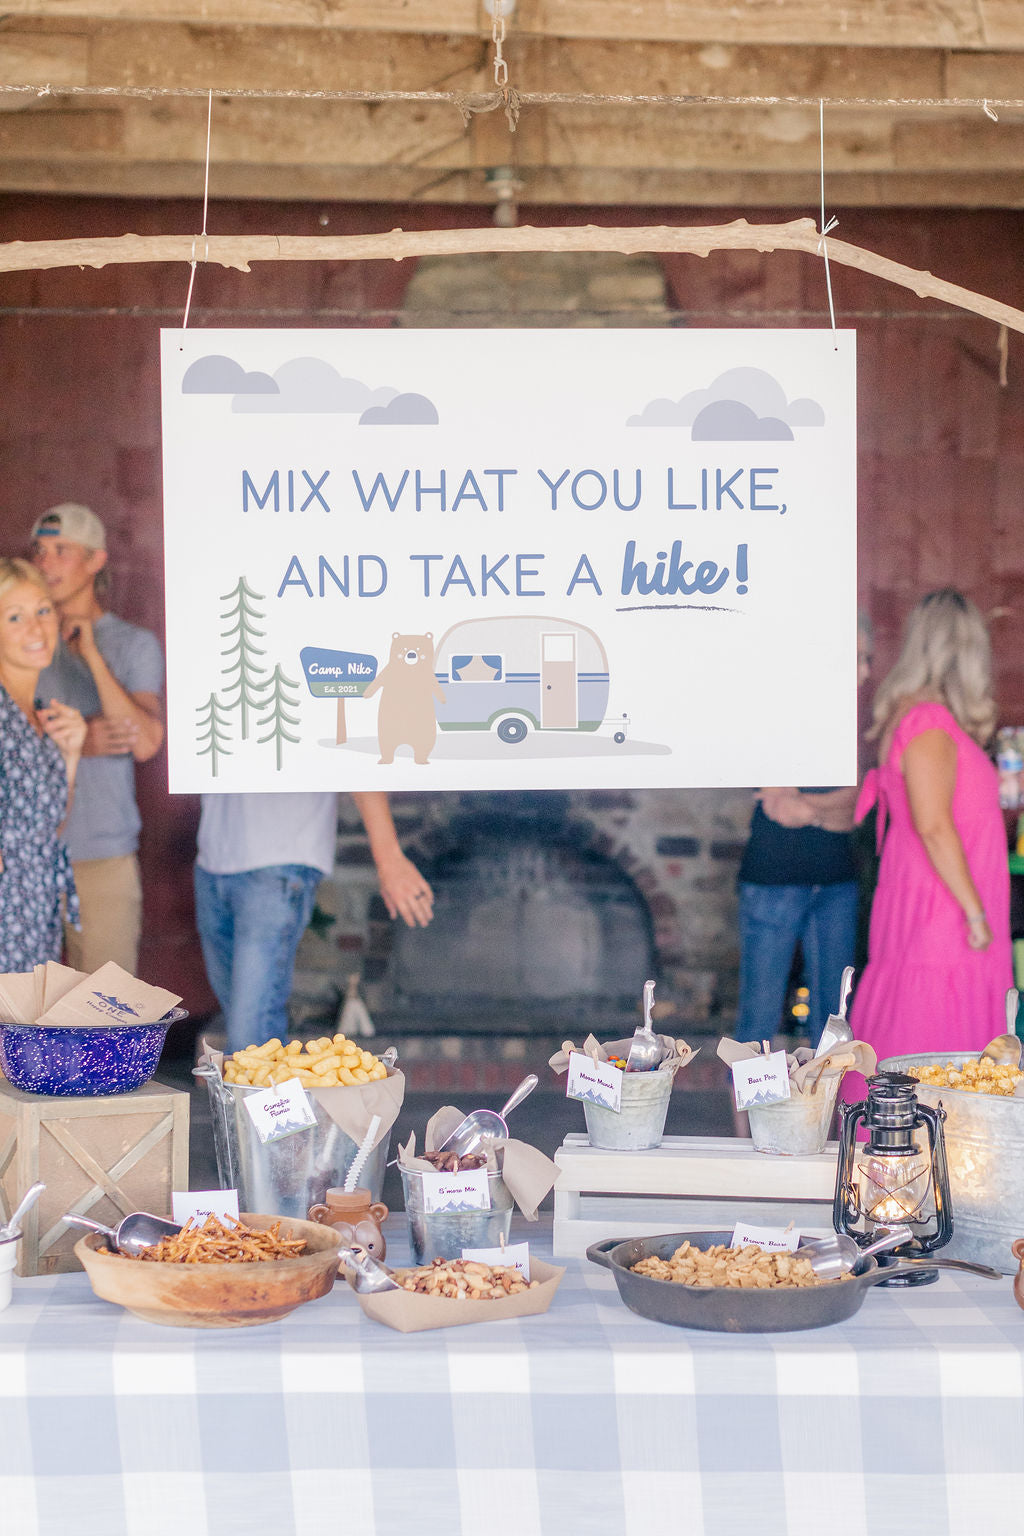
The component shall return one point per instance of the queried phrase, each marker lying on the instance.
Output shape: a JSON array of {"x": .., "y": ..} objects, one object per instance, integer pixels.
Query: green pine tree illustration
[
  {"x": 277, "y": 703},
  {"x": 213, "y": 728},
  {"x": 248, "y": 681}
]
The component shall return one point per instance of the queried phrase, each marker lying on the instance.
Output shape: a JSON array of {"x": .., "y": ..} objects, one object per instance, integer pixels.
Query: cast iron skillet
[{"x": 723, "y": 1309}]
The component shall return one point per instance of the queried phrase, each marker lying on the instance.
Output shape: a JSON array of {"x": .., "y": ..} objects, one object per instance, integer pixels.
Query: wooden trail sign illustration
[
  {"x": 337, "y": 675},
  {"x": 628, "y": 562}
]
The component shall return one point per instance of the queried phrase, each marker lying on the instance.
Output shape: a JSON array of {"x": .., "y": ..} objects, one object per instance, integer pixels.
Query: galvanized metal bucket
[
  {"x": 984, "y": 1135},
  {"x": 282, "y": 1178},
  {"x": 640, "y": 1123},
  {"x": 444, "y": 1234},
  {"x": 797, "y": 1126}
]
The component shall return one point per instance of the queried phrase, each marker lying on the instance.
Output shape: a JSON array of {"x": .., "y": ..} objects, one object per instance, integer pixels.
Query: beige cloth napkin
[
  {"x": 526, "y": 1172},
  {"x": 678, "y": 1053},
  {"x": 806, "y": 1072}
]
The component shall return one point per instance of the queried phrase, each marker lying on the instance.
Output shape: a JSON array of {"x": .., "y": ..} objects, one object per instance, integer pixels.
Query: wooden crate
[
  {"x": 689, "y": 1183},
  {"x": 102, "y": 1157}
]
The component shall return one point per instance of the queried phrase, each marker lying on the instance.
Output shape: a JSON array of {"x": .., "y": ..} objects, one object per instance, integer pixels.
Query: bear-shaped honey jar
[{"x": 356, "y": 1218}]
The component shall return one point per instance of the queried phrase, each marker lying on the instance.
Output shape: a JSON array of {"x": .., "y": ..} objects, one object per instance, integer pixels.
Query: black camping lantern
[{"x": 891, "y": 1179}]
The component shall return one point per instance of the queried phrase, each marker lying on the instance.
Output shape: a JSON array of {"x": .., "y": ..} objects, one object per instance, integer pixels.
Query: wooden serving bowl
[{"x": 216, "y": 1295}]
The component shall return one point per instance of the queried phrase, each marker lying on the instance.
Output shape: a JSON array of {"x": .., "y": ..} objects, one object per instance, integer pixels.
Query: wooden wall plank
[{"x": 868, "y": 23}]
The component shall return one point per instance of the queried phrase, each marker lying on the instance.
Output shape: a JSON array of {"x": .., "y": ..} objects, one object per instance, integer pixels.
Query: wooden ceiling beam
[
  {"x": 165, "y": 57},
  {"x": 326, "y": 186},
  {"x": 980, "y": 24},
  {"x": 433, "y": 138}
]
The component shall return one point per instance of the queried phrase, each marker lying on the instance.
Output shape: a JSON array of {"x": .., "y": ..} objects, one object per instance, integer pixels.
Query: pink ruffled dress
[{"x": 924, "y": 988}]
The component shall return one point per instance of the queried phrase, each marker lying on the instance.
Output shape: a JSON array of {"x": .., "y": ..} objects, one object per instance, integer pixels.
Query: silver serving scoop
[
  {"x": 482, "y": 1128},
  {"x": 11, "y": 1229},
  {"x": 646, "y": 1050},
  {"x": 837, "y": 1254},
  {"x": 1004, "y": 1050},
  {"x": 132, "y": 1234},
  {"x": 837, "y": 1031},
  {"x": 363, "y": 1273}
]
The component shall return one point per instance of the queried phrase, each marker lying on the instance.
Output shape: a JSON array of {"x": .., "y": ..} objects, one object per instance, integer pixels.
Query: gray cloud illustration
[
  {"x": 216, "y": 375},
  {"x": 403, "y": 411},
  {"x": 742, "y": 403},
  {"x": 731, "y": 421},
  {"x": 309, "y": 386}
]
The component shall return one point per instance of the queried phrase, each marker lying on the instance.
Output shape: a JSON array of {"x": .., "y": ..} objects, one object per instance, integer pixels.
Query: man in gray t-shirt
[{"x": 113, "y": 672}]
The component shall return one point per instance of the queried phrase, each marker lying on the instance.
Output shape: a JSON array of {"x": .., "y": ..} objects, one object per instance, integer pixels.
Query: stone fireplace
[{"x": 552, "y": 909}]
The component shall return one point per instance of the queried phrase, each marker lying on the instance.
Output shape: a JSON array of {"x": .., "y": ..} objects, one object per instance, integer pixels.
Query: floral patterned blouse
[{"x": 36, "y": 883}]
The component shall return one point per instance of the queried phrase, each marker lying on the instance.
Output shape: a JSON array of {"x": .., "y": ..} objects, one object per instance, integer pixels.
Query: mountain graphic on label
[{"x": 116, "y": 1004}]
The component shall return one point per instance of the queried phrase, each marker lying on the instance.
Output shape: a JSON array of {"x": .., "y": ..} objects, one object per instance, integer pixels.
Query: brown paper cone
[{"x": 18, "y": 997}]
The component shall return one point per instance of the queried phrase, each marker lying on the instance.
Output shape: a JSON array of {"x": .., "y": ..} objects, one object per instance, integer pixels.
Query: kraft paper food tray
[{"x": 407, "y": 1312}]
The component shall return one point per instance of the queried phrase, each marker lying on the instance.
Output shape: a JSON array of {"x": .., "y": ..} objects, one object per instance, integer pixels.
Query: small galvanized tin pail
[
  {"x": 286, "y": 1177},
  {"x": 640, "y": 1123},
  {"x": 444, "y": 1234}
]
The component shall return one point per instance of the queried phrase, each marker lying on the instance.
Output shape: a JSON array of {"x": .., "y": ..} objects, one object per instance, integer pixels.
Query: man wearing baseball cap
[{"x": 113, "y": 672}]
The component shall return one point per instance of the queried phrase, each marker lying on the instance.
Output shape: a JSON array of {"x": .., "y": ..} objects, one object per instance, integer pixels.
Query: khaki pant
[{"x": 110, "y": 896}]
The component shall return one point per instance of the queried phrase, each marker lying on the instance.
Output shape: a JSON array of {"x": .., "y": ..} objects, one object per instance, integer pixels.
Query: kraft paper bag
[
  {"x": 806, "y": 1072},
  {"x": 526, "y": 1173},
  {"x": 677, "y": 1053},
  {"x": 18, "y": 997},
  {"x": 110, "y": 996}
]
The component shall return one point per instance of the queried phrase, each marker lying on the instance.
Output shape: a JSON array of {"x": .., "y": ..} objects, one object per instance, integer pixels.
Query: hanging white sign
[{"x": 529, "y": 559}]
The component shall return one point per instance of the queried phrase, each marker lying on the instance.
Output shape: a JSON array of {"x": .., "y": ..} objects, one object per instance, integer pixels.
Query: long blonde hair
[
  {"x": 14, "y": 570},
  {"x": 946, "y": 655}
]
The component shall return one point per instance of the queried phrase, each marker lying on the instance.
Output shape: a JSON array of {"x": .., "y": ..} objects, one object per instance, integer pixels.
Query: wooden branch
[{"x": 237, "y": 251}]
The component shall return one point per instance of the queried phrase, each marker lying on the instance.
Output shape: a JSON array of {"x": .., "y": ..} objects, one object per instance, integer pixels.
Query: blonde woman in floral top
[{"x": 40, "y": 745}]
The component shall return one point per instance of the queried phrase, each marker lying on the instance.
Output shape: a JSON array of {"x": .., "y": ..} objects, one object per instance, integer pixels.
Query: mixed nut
[{"x": 464, "y": 1280}]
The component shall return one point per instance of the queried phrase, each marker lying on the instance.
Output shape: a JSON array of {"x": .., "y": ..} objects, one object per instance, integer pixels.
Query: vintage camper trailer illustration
[{"x": 523, "y": 673}]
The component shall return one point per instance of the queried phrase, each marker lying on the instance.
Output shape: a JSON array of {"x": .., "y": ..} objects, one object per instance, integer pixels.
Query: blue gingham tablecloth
[{"x": 587, "y": 1420}]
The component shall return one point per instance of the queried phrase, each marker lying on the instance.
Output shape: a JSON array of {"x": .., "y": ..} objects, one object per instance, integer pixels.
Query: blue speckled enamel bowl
[{"x": 83, "y": 1063}]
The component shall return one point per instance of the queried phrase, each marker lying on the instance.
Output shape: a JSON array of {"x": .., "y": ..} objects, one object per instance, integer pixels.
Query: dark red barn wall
[{"x": 941, "y": 445}]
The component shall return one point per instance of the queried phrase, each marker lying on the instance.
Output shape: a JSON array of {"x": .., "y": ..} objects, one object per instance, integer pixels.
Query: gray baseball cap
[{"x": 71, "y": 521}]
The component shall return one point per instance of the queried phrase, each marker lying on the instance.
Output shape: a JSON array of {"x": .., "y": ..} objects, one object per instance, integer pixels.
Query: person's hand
[
  {"x": 979, "y": 934},
  {"x": 406, "y": 894},
  {"x": 787, "y": 806},
  {"x": 109, "y": 738},
  {"x": 78, "y": 636},
  {"x": 66, "y": 727}
]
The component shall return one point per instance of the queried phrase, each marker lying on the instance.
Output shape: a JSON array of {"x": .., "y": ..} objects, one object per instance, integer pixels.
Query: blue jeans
[
  {"x": 250, "y": 926},
  {"x": 772, "y": 918}
]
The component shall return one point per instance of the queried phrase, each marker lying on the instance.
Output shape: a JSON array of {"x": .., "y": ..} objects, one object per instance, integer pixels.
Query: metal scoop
[
  {"x": 837, "y": 1031},
  {"x": 11, "y": 1229},
  {"x": 482, "y": 1128},
  {"x": 363, "y": 1273},
  {"x": 835, "y": 1255},
  {"x": 132, "y": 1234},
  {"x": 646, "y": 1050},
  {"x": 1006, "y": 1050}
]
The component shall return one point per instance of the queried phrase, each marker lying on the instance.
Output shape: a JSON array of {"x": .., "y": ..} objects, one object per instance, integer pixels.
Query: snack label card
[
  {"x": 200, "y": 1203},
  {"x": 597, "y": 1082},
  {"x": 512, "y": 1256},
  {"x": 761, "y": 1080},
  {"x": 465, "y": 1191},
  {"x": 279, "y": 1111},
  {"x": 773, "y": 1239}
]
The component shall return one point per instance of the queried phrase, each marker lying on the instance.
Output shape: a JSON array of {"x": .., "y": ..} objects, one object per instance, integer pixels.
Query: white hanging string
[
  {"x": 831, "y": 223},
  {"x": 206, "y": 205}
]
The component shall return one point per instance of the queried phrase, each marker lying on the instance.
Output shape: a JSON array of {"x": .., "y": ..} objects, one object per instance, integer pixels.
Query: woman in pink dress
[{"x": 939, "y": 947}]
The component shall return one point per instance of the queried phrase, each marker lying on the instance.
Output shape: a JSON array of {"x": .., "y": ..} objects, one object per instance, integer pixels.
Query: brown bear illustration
[{"x": 408, "y": 688}]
